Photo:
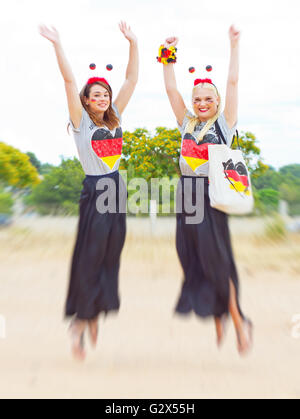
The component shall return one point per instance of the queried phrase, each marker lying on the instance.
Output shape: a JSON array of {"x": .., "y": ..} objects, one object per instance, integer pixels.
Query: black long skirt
[
  {"x": 206, "y": 256},
  {"x": 93, "y": 285}
]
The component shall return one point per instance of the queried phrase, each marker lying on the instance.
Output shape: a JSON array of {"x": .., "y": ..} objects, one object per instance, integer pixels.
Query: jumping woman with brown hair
[{"x": 95, "y": 121}]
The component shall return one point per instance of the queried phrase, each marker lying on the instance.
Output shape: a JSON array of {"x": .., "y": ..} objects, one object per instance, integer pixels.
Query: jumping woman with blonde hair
[
  {"x": 95, "y": 120},
  {"x": 211, "y": 286}
]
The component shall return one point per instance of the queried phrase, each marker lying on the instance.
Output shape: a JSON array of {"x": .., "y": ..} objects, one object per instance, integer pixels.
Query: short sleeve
[
  {"x": 227, "y": 132},
  {"x": 83, "y": 122},
  {"x": 117, "y": 113},
  {"x": 186, "y": 119}
]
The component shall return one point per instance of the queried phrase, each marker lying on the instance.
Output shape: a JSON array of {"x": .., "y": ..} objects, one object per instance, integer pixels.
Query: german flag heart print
[
  {"x": 107, "y": 147},
  {"x": 237, "y": 176},
  {"x": 193, "y": 153}
]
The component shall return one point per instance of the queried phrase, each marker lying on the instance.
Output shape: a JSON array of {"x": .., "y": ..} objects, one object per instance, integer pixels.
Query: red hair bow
[
  {"x": 95, "y": 79},
  {"x": 198, "y": 81}
]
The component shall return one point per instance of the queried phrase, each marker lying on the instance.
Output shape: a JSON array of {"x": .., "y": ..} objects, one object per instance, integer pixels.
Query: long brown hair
[{"x": 110, "y": 118}]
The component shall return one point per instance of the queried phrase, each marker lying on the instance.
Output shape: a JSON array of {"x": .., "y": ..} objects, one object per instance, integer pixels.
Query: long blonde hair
[{"x": 193, "y": 121}]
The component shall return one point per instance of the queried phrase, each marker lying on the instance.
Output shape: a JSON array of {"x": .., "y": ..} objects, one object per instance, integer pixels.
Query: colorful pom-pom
[
  {"x": 92, "y": 66},
  {"x": 208, "y": 68},
  {"x": 109, "y": 67},
  {"x": 192, "y": 69},
  {"x": 166, "y": 55}
]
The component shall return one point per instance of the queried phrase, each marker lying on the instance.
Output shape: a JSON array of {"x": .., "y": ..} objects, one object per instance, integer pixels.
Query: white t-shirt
[
  {"x": 99, "y": 149},
  {"x": 194, "y": 156}
]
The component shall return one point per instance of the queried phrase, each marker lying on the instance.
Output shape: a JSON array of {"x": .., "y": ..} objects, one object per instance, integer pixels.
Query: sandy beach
[{"x": 146, "y": 351}]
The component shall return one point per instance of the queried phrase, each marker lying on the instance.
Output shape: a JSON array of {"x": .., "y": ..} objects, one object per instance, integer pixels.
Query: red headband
[
  {"x": 198, "y": 81},
  {"x": 95, "y": 79}
]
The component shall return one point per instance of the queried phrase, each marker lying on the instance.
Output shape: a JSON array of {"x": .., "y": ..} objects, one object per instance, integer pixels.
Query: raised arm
[
  {"x": 231, "y": 104},
  {"x": 174, "y": 96},
  {"x": 132, "y": 71},
  {"x": 74, "y": 103}
]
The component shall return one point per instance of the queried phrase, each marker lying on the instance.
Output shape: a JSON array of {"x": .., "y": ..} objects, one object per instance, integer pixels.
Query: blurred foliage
[
  {"x": 291, "y": 170},
  {"x": 154, "y": 156},
  {"x": 251, "y": 153},
  {"x": 59, "y": 192},
  {"x": 46, "y": 168},
  {"x": 34, "y": 161},
  {"x": 6, "y": 203},
  {"x": 286, "y": 182},
  {"x": 42, "y": 168},
  {"x": 150, "y": 156},
  {"x": 16, "y": 169},
  {"x": 275, "y": 229},
  {"x": 267, "y": 200},
  {"x": 157, "y": 156}
]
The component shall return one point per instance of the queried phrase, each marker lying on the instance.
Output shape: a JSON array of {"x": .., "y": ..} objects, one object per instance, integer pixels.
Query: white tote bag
[{"x": 229, "y": 180}]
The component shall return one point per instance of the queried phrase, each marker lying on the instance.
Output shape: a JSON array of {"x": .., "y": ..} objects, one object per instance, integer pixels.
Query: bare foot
[
  {"x": 76, "y": 329},
  {"x": 93, "y": 330},
  {"x": 220, "y": 328},
  {"x": 245, "y": 337}
]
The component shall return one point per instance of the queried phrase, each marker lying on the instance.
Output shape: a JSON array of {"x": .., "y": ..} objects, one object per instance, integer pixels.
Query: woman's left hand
[
  {"x": 234, "y": 35},
  {"x": 127, "y": 32}
]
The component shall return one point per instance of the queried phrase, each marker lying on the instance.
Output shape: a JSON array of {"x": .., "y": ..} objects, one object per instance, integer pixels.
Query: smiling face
[
  {"x": 205, "y": 103},
  {"x": 98, "y": 100}
]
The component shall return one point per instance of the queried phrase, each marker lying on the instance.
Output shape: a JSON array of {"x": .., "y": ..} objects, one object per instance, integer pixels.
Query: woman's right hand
[
  {"x": 74, "y": 102},
  {"x": 51, "y": 34},
  {"x": 174, "y": 96},
  {"x": 171, "y": 42}
]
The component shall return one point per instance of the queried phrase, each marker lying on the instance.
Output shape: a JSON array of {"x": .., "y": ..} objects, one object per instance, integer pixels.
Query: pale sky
[{"x": 33, "y": 106}]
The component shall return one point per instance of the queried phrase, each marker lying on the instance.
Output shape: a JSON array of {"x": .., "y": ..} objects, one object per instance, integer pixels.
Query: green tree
[
  {"x": 150, "y": 156},
  {"x": 155, "y": 156},
  {"x": 269, "y": 199},
  {"x": 252, "y": 154},
  {"x": 271, "y": 179},
  {"x": 291, "y": 169},
  {"x": 16, "y": 169},
  {"x": 59, "y": 192},
  {"x": 46, "y": 168},
  {"x": 34, "y": 161},
  {"x": 285, "y": 181},
  {"x": 42, "y": 168},
  {"x": 6, "y": 203}
]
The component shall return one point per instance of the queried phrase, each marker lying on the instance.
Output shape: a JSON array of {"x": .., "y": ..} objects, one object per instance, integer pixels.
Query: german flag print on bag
[{"x": 229, "y": 180}]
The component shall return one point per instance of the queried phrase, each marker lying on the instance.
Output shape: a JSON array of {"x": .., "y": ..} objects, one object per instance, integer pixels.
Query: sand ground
[{"x": 145, "y": 351}]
